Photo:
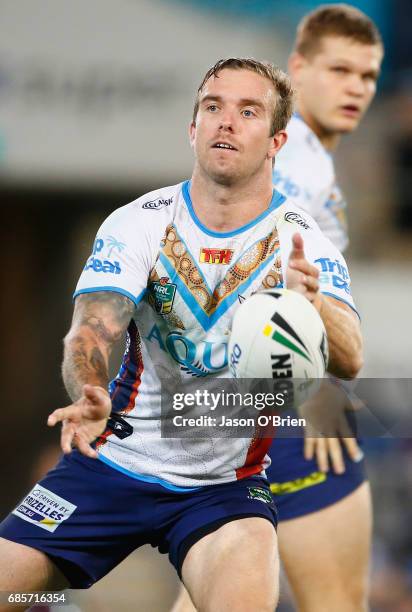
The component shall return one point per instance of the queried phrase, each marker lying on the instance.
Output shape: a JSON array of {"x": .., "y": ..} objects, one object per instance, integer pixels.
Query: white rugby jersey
[
  {"x": 304, "y": 171},
  {"x": 186, "y": 282}
]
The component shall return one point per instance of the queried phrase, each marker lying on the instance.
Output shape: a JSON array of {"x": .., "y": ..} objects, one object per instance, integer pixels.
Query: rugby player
[
  {"x": 150, "y": 273},
  {"x": 318, "y": 485}
]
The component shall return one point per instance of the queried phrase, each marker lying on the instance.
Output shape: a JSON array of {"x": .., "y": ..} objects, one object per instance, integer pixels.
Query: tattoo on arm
[{"x": 99, "y": 321}]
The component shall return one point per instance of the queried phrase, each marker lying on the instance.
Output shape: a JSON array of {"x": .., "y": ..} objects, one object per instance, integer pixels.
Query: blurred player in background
[
  {"x": 212, "y": 512},
  {"x": 319, "y": 483}
]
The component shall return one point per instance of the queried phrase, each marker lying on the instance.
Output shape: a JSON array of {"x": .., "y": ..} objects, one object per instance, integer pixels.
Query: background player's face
[
  {"x": 235, "y": 110},
  {"x": 336, "y": 85}
]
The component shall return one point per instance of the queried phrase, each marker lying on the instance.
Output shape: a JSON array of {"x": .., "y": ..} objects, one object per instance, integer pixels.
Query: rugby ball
[{"x": 277, "y": 334}]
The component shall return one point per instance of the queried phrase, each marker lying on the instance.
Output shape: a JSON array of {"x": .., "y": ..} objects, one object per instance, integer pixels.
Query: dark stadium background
[{"x": 95, "y": 99}]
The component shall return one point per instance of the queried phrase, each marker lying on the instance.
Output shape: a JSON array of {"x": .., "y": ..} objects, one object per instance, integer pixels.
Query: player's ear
[
  {"x": 192, "y": 133},
  {"x": 296, "y": 63},
  {"x": 276, "y": 143}
]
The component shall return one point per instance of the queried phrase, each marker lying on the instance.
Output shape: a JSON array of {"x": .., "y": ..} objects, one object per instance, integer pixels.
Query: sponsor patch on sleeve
[{"x": 44, "y": 508}]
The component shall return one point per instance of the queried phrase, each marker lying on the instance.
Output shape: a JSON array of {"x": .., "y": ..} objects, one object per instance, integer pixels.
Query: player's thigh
[
  {"x": 235, "y": 567},
  {"x": 183, "y": 602},
  {"x": 26, "y": 569},
  {"x": 326, "y": 554}
]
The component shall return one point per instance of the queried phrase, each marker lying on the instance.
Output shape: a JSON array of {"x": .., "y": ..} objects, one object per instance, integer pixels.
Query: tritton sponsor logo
[
  {"x": 293, "y": 217},
  {"x": 157, "y": 204},
  {"x": 215, "y": 256}
]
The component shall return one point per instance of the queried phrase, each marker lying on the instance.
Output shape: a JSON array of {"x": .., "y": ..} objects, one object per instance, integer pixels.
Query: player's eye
[
  {"x": 247, "y": 112},
  {"x": 211, "y": 108},
  {"x": 340, "y": 69}
]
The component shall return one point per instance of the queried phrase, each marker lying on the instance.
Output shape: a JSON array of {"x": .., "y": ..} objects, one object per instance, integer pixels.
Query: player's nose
[
  {"x": 356, "y": 86},
  {"x": 227, "y": 121}
]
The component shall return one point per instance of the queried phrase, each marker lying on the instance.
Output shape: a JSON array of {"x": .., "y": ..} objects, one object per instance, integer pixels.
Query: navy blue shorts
[
  {"x": 298, "y": 486},
  {"x": 87, "y": 517}
]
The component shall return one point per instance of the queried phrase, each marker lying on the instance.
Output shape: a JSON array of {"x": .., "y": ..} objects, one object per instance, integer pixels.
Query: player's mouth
[
  {"x": 223, "y": 146},
  {"x": 351, "y": 110}
]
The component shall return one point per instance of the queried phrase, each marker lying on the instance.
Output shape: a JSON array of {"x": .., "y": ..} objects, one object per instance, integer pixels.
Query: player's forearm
[
  {"x": 344, "y": 338},
  {"x": 99, "y": 321},
  {"x": 85, "y": 362}
]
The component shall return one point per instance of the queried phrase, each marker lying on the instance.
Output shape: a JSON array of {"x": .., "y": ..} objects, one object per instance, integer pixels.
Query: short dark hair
[
  {"x": 283, "y": 108},
  {"x": 335, "y": 20}
]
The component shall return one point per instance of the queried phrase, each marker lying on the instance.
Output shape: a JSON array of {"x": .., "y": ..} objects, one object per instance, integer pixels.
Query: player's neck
[
  {"x": 329, "y": 140},
  {"x": 223, "y": 208}
]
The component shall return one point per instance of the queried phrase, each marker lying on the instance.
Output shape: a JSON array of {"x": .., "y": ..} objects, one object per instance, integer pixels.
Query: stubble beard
[
  {"x": 224, "y": 177},
  {"x": 229, "y": 177}
]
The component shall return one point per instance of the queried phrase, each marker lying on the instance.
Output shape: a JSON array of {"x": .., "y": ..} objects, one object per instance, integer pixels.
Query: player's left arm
[
  {"x": 341, "y": 322},
  {"x": 99, "y": 321}
]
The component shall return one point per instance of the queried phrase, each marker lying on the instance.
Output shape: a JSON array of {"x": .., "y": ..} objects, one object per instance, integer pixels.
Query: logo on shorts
[
  {"x": 162, "y": 296},
  {"x": 260, "y": 495},
  {"x": 44, "y": 509},
  {"x": 293, "y": 217}
]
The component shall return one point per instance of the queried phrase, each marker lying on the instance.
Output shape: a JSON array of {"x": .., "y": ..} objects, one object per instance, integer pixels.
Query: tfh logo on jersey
[{"x": 215, "y": 256}]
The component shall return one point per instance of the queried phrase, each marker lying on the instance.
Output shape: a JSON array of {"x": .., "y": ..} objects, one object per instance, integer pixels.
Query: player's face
[
  {"x": 337, "y": 84},
  {"x": 231, "y": 136}
]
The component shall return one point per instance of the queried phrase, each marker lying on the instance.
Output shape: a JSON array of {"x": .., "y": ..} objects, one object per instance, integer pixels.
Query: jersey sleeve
[
  {"x": 334, "y": 278},
  {"x": 121, "y": 257}
]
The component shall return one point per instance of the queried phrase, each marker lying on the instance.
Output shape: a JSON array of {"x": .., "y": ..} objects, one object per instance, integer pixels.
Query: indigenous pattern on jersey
[
  {"x": 186, "y": 282},
  {"x": 304, "y": 171}
]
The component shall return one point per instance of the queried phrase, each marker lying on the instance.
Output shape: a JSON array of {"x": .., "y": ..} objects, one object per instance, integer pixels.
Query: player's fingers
[
  {"x": 297, "y": 241},
  {"x": 309, "y": 448},
  {"x": 336, "y": 456},
  {"x": 353, "y": 449},
  {"x": 305, "y": 267},
  {"x": 66, "y": 436},
  {"x": 297, "y": 251},
  {"x": 322, "y": 455},
  {"x": 61, "y": 414},
  {"x": 344, "y": 428},
  {"x": 312, "y": 284},
  {"x": 83, "y": 446}
]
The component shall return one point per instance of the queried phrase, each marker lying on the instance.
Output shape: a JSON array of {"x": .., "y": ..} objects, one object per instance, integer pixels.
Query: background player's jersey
[
  {"x": 304, "y": 171},
  {"x": 186, "y": 282}
]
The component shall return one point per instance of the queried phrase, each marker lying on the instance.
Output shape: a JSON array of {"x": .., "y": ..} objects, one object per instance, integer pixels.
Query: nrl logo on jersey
[
  {"x": 216, "y": 256},
  {"x": 162, "y": 295},
  {"x": 157, "y": 204},
  {"x": 293, "y": 217}
]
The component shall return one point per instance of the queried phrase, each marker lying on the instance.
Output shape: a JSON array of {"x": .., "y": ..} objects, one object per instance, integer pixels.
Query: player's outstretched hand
[
  {"x": 301, "y": 276},
  {"x": 83, "y": 421},
  {"x": 327, "y": 429}
]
